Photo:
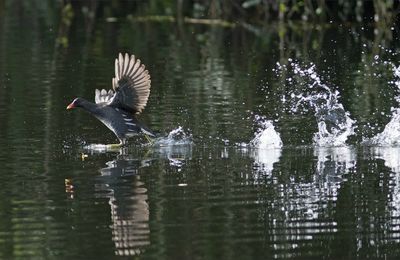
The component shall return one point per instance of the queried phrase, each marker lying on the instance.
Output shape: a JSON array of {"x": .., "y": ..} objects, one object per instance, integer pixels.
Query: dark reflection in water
[
  {"x": 121, "y": 183},
  {"x": 128, "y": 198}
]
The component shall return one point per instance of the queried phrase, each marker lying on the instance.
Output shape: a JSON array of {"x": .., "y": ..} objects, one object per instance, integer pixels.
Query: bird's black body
[{"x": 118, "y": 110}]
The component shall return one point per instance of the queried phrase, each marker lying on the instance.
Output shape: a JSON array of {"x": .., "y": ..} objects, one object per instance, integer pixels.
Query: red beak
[{"x": 70, "y": 106}]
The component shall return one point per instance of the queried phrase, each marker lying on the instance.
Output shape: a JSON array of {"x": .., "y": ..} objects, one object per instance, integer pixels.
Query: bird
[{"x": 119, "y": 107}]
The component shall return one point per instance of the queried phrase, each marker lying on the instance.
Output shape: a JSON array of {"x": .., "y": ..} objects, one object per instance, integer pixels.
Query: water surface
[{"x": 215, "y": 196}]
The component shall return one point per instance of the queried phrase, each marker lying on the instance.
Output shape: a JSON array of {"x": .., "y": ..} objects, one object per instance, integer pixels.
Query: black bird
[{"x": 118, "y": 107}]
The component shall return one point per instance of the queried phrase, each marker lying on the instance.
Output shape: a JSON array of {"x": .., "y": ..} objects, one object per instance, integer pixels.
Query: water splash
[
  {"x": 177, "y": 136},
  {"x": 268, "y": 143},
  {"x": 265, "y": 147},
  {"x": 266, "y": 137},
  {"x": 333, "y": 121},
  {"x": 390, "y": 136},
  {"x": 176, "y": 147}
]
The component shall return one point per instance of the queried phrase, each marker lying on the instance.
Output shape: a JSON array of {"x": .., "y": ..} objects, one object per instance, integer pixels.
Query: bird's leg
[
  {"x": 151, "y": 141},
  {"x": 122, "y": 142},
  {"x": 114, "y": 146}
]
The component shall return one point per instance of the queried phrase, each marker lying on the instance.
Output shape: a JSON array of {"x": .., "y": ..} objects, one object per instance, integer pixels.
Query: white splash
[
  {"x": 334, "y": 122},
  {"x": 390, "y": 136},
  {"x": 177, "y": 136},
  {"x": 176, "y": 140},
  {"x": 176, "y": 147},
  {"x": 334, "y": 125},
  {"x": 266, "y": 145},
  {"x": 266, "y": 137}
]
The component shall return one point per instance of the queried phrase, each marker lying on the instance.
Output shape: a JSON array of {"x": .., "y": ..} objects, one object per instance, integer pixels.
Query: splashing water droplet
[
  {"x": 266, "y": 137},
  {"x": 265, "y": 146},
  {"x": 390, "y": 135},
  {"x": 177, "y": 136},
  {"x": 334, "y": 122}
]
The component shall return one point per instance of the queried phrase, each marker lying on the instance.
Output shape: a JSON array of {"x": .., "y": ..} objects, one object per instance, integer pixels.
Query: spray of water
[
  {"x": 265, "y": 147},
  {"x": 177, "y": 136},
  {"x": 176, "y": 147},
  {"x": 175, "y": 140},
  {"x": 390, "y": 136},
  {"x": 334, "y": 122},
  {"x": 266, "y": 137}
]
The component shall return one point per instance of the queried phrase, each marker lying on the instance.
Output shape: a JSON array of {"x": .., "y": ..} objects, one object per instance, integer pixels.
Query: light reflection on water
[
  {"x": 292, "y": 210},
  {"x": 295, "y": 218},
  {"x": 391, "y": 157}
]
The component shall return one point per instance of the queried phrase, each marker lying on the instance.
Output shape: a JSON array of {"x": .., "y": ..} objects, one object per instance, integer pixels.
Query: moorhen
[{"x": 118, "y": 107}]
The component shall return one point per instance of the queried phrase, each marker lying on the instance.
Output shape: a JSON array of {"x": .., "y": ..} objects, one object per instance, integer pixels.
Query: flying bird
[{"x": 119, "y": 107}]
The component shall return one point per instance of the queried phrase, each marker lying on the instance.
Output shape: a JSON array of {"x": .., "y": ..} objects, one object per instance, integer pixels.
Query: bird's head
[{"x": 77, "y": 102}]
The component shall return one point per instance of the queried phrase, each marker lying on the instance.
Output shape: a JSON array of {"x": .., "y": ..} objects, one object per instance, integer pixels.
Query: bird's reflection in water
[
  {"x": 121, "y": 182},
  {"x": 127, "y": 194}
]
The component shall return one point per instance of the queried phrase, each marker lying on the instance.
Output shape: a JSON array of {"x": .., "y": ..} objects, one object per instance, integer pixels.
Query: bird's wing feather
[
  {"x": 102, "y": 96},
  {"x": 131, "y": 84}
]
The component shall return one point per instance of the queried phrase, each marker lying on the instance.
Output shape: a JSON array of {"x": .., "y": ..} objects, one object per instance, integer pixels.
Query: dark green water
[{"x": 212, "y": 199}]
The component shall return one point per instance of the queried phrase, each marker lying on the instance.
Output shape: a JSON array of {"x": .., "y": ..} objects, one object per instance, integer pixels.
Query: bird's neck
[{"x": 89, "y": 106}]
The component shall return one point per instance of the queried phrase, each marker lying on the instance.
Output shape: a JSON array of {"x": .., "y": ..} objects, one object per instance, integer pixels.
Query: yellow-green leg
[
  {"x": 114, "y": 146},
  {"x": 149, "y": 139}
]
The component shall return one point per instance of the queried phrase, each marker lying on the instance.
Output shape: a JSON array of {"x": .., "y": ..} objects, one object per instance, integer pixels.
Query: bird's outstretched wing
[
  {"x": 102, "y": 96},
  {"x": 131, "y": 84}
]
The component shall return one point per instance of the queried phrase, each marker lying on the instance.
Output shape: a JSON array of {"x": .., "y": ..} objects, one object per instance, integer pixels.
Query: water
[
  {"x": 391, "y": 133},
  {"x": 334, "y": 123},
  {"x": 271, "y": 145}
]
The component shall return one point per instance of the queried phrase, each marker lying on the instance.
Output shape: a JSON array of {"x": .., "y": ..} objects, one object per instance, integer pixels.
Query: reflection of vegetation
[
  {"x": 67, "y": 15},
  {"x": 258, "y": 10},
  {"x": 158, "y": 18}
]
